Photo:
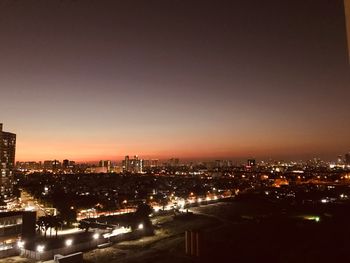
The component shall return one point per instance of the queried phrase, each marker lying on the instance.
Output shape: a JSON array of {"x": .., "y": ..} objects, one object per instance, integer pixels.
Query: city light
[
  {"x": 313, "y": 218},
  {"x": 96, "y": 236},
  {"x": 20, "y": 244},
  {"x": 181, "y": 203},
  {"x": 140, "y": 226},
  {"x": 40, "y": 248},
  {"x": 118, "y": 231},
  {"x": 69, "y": 242}
]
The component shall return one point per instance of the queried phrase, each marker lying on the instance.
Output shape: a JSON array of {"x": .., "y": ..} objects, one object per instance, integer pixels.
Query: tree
[
  {"x": 68, "y": 215},
  {"x": 84, "y": 225},
  {"x": 143, "y": 211},
  {"x": 57, "y": 222},
  {"x": 164, "y": 202},
  {"x": 48, "y": 222},
  {"x": 43, "y": 224}
]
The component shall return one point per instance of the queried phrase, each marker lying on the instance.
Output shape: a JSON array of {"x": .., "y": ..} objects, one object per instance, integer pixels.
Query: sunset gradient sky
[{"x": 90, "y": 80}]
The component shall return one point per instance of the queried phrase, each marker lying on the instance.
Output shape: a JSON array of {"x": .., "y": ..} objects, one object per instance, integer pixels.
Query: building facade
[
  {"x": 134, "y": 165},
  {"x": 7, "y": 158},
  {"x": 14, "y": 226}
]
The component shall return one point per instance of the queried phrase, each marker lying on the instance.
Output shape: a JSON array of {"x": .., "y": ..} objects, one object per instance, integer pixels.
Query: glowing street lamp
[
  {"x": 140, "y": 226},
  {"x": 69, "y": 242},
  {"x": 20, "y": 244},
  {"x": 96, "y": 236},
  {"x": 40, "y": 248}
]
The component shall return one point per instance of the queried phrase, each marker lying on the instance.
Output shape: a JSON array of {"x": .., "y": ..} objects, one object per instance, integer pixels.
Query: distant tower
[
  {"x": 347, "y": 20},
  {"x": 7, "y": 163},
  {"x": 251, "y": 163},
  {"x": 107, "y": 164},
  {"x": 126, "y": 164},
  {"x": 347, "y": 158}
]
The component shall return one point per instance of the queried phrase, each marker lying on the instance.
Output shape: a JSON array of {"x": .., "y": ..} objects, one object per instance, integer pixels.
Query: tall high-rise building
[
  {"x": 7, "y": 158},
  {"x": 174, "y": 162},
  {"x": 251, "y": 163},
  {"x": 106, "y": 164},
  {"x": 134, "y": 165},
  {"x": 65, "y": 164},
  {"x": 126, "y": 163},
  {"x": 347, "y": 158}
]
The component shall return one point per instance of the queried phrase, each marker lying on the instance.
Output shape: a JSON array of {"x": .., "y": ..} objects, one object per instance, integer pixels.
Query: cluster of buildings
[
  {"x": 48, "y": 166},
  {"x": 95, "y": 184},
  {"x": 133, "y": 165}
]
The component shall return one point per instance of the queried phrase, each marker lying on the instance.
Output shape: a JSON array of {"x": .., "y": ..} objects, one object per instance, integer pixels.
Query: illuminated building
[
  {"x": 347, "y": 158},
  {"x": 251, "y": 162},
  {"x": 126, "y": 163},
  {"x": 15, "y": 226},
  {"x": 154, "y": 162},
  {"x": 28, "y": 166},
  {"x": 52, "y": 165},
  {"x": 68, "y": 166},
  {"x": 106, "y": 164},
  {"x": 174, "y": 162},
  {"x": 7, "y": 157},
  {"x": 134, "y": 165},
  {"x": 340, "y": 160},
  {"x": 65, "y": 164}
]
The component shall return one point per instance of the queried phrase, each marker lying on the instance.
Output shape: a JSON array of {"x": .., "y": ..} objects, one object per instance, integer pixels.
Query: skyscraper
[
  {"x": 251, "y": 163},
  {"x": 106, "y": 164},
  {"x": 134, "y": 165},
  {"x": 126, "y": 163},
  {"x": 7, "y": 157},
  {"x": 347, "y": 158}
]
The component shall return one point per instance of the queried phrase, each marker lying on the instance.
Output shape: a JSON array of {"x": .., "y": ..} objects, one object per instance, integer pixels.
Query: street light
[
  {"x": 69, "y": 242},
  {"x": 40, "y": 248},
  {"x": 140, "y": 226},
  {"x": 96, "y": 236},
  {"x": 20, "y": 244}
]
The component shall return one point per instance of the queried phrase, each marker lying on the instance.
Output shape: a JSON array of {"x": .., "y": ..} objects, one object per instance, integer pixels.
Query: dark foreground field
[{"x": 243, "y": 231}]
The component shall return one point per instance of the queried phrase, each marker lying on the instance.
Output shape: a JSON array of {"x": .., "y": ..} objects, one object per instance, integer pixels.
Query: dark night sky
[{"x": 88, "y": 80}]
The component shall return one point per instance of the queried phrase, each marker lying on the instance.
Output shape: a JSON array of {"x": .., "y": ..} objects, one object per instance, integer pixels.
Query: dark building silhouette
[
  {"x": 14, "y": 226},
  {"x": 347, "y": 158}
]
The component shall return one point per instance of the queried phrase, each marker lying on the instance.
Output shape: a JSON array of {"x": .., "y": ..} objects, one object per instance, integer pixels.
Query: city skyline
[{"x": 219, "y": 80}]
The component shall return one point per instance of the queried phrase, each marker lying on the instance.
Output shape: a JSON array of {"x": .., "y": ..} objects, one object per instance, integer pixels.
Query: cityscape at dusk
[{"x": 174, "y": 131}]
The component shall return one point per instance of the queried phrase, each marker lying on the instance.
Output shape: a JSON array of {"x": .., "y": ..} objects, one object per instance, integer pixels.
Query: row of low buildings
[{"x": 129, "y": 164}]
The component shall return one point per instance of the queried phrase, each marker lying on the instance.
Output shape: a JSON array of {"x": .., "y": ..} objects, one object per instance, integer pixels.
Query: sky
[{"x": 89, "y": 80}]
